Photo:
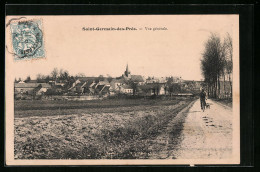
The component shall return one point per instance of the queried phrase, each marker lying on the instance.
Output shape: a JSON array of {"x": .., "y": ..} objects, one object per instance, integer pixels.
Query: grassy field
[{"x": 100, "y": 129}]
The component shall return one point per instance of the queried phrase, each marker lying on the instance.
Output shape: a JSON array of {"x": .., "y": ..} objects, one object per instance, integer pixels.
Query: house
[
  {"x": 78, "y": 88},
  {"x": 90, "y": 86},
  {"x": 44, "y": 87},
  {"x": 79, "y": 85},
  {"x": 126, "y": 89},
  {"x": 116, "y": 85},
  {"x": 192, "y": 85},
  {"x": 32, "y": 81},
  {"x": 30, "y": 88},
  {"x": 150, "y": 80},
  {"x": 102, "y": 89},
  {"x": 60, "y": 82},
  {"x": 152, "y": 89},
  {"x": 138, "y": 79}
]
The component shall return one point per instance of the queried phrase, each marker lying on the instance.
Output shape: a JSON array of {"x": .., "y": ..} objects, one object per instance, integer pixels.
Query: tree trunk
[
  {"x": 230, "y": 82},
  {"x": 208, "y": 89},
  {"x": 215, "y": 89},
  {"x": 224, "y": 87},
  {"x": 219, "y": 96}
]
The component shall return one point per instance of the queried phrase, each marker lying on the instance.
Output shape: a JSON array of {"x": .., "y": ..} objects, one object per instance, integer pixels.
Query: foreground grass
[{"x": 112, "y": 135}]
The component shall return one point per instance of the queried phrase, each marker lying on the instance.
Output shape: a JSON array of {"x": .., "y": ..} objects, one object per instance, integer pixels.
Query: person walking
[{"x": 202, "y": 99}]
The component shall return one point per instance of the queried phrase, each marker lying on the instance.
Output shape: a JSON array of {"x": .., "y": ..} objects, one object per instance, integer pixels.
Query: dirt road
[
  {"x": 206, "y": 134},
  {"x": 194, "y": 134}
]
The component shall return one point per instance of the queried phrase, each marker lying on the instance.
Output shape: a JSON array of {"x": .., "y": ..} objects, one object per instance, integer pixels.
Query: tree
[
  {"x": 169, "y": 81},
  {"x": 109, "y": 79},
  {"x": 228, "y": 45},
  {"x": 47, "y": 78},
  {"x": 54, "y": 74},
  {"x": 101, "y": 78},
  {"x": 64, "y": 75},
  {"x": 40, "y": 77},
  {"x": 175, "y": 88},
  {"x": 133, "y": 85},
  {"x": 61, "y": 74},
  {"x": 212, "y": 64},
  {"x": 28, "y": 79}
]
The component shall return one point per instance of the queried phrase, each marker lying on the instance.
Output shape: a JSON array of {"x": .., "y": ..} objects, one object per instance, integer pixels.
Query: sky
[{"x": 173, "y": 52}]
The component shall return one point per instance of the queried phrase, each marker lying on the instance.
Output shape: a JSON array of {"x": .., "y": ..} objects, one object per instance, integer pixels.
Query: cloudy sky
[{"x": 172, "y": 52}]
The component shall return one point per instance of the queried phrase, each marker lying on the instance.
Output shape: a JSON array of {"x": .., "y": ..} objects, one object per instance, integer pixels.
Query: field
[{"x": 99, "y": 129}]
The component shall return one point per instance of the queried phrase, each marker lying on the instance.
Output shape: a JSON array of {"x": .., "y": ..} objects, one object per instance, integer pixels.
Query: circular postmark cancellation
[{"x": 27, "y": 39}]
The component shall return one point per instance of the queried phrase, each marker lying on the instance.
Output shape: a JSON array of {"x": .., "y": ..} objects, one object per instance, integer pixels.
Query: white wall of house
[
  {"x": 161, "y": 91},
  {"x": 43, "y": 90},
  {"x": 127, "y": 91}
]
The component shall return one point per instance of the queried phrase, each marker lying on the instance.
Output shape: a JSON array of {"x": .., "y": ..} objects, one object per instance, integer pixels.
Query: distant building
[
  {"x": 152, "y": 89},
  {"x": 116, "y": 85},
  {"x": 29, "y": 88},
  {"x": 90, "y": 86},
  {"x": 135, "y": 78},
  {"x": 126, "y": 89},
  {"x": 150, "y": 80}
]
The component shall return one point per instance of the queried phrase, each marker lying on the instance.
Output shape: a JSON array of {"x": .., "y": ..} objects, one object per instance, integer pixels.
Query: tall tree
[
  {"x": 40, "y": 77},
  {"x": 54, "y": 74},
  {"x": 64, "y": 75},
  {"x": 212, "y": 64},
  {"x": 228, "y": 44}
]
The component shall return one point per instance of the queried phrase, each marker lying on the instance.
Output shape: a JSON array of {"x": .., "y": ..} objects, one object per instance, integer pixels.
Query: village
[{"x": 88, "y": 88}]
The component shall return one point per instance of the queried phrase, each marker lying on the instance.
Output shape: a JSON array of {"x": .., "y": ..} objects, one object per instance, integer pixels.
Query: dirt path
[
  {"x": 206, "y": 134},
  {"x": 194, "y": 134}
]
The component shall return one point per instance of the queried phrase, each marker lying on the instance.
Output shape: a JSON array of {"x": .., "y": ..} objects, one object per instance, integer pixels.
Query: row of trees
[{"x": 217, "y": 64}]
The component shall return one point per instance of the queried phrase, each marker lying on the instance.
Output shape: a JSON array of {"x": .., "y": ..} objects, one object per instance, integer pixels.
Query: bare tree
[
  {"x": 54, "y": 73},
  {"x": 40, "y": 77},
  {"x": 64, "y": 75}
]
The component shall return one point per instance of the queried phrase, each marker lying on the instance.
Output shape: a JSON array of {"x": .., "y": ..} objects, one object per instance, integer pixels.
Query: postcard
[{"x": 122, "y": 90}]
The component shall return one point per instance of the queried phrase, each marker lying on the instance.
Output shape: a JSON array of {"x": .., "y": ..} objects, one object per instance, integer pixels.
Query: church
[
  {"x": 127, "y": 73},
  {"x": 135, "y": 78}
]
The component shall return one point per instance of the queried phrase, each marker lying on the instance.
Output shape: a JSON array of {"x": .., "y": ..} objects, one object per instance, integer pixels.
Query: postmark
[{"x": 27, "y": 39}]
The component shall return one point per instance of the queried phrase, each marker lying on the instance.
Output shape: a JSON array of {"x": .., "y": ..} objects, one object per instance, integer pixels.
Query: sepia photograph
[{"x": 122, "y": 90}]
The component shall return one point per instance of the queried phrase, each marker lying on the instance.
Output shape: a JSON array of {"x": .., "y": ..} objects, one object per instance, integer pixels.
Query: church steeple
[
  {"x": 127, "y": 72},
  {"x": 126, "y": 68}
]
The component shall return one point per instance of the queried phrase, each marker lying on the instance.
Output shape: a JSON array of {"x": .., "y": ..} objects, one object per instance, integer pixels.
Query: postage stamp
[{"x": 27, "y": 39}]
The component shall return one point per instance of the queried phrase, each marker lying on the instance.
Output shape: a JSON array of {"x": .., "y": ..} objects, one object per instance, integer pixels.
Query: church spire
[
  {"x": 127, "y": 72},
  {"x": 126, "y": 68}
]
